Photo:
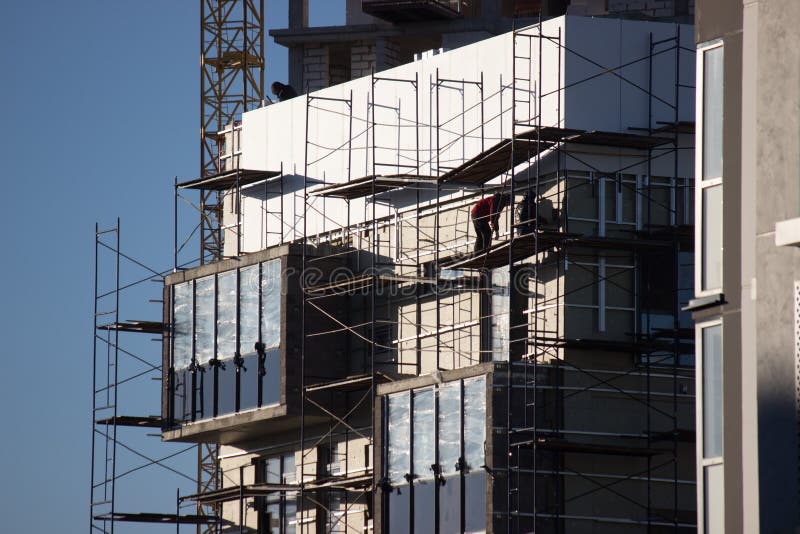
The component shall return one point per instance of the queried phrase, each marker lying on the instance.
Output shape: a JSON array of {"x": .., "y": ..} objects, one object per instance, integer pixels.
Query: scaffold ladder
[{"x": 105, "y": 360}]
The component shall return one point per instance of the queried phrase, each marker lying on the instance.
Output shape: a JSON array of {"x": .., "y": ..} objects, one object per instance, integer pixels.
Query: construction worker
[
  {"x": 529, "y": 214},
  {"x": 283, "y": 92},
  {"x": 485, "y": 219}
]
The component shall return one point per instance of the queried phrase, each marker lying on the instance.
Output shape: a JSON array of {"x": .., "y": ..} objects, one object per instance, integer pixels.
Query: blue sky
[{"x": 99, "y": 106}]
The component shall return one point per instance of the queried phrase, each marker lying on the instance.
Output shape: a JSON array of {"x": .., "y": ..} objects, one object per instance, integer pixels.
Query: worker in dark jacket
[
  {"x": 283, "y": 92},
  {"x": 530, "y": 214},
  {"x": 485, "y": 219}
]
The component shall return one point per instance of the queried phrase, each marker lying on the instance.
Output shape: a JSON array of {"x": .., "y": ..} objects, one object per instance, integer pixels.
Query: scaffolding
[
  {"x": 543, "y": 454},
  {"x": 538, "y": 368},
  {"x": 119, "y": 448}
]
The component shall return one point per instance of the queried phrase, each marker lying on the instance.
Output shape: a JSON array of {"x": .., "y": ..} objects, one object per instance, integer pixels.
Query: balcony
[
  {"x": 233, "y": 371},
  {"x": 400, "y": 11}
]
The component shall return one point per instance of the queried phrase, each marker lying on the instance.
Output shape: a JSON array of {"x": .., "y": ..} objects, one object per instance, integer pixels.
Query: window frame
[
  {"x": 701, "y": 183},
  {"x": 412, "y": 480},
  {"x": 701, "y": 461},
  {"x": 280, "y": 498},
  {"x": 267, "y": 271}
]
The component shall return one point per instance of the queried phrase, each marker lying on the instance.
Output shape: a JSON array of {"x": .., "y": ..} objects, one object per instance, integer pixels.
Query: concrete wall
[
  {"x": 336, "y": 455},
  {"x": 771, "y": 113}
]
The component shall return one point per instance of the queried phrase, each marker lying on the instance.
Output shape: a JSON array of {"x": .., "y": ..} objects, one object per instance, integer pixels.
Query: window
[
  {"x": 709, "y": 167},
  {"x": 500, "y": 306},
  {"x": 658, "y": 293},
  {"x": 436, "y": 442},
  {"x": 711, "y": 346},
  {"x": 182, "y": 313},
  {"x": 600, "y": 294},
  {"x": 217, "y": 321},
  {"x": 710, "y": 421},
  {"x": 277, "y": 513}
]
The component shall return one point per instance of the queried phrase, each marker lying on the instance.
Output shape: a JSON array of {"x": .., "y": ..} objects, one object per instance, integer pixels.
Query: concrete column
[
  {"x": 386, "y": 54},
  {"x": 296, "y": 68},
  {"x": 298, "y": 14},
  {"x": 298, "y": 18}
]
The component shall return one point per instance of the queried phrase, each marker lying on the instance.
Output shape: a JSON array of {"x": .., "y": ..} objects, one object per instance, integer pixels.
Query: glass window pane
[
  {"x": 610, "y": 192},
  {"x": 712, "y": 112},
  {"x": 249, "y": 379},
  {"x": 475, "y": 503},
  {"x": 399, "y": 428},
  {"x": 424, "y": 505},
  {"x": 450, "y": 504},
  {"x": 400, "y": 510},
  {"x": 271, "y": 303},
  {"x": 659, "y": 193},
  {"x": 474, "y": 422},
  {"x": 711, "y": 273},
  {"x": 289, "y": 469},
  {"x": 271, "y": 379},
  {"x": 204, "y": 391},
  {"x": 712, "y": 391},
  {"x": 500, "y": 302},
  {"x": 449, "y": 426},
  {"x": 424, "y": 454},
  {"x": 290, "y": 516},
  {"x": 714, "y": 498},
  {"x": 628, "y": 198},
  {"x": 182, "y": 318},
  {"x": 226, "y": 388},
  {"x": 181, "y": 395},
  {"x": 204, "y": 319},
  {"x": 226, "y": 315},
  {"x": 684, "y": 203},
  {"x": 274, "y": 518},
  {"x": 272, "y": 470},
  {"x": 582, "y": 198}
]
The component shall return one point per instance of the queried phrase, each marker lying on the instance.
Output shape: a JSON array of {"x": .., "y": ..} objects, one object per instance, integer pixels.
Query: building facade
[
  {"x": 363, "y": 368},
  {"x": 380, "y": 34},
  {"x": 746, "y": 290}
]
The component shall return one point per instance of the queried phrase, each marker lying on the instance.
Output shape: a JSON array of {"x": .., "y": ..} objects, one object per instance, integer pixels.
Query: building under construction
[{"x": 349, "y": 360}]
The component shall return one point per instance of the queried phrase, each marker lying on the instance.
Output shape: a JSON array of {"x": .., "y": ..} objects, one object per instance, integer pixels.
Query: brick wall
[
  {"x": 362, "y": 59},
  {"x": 316, "y": 68}
]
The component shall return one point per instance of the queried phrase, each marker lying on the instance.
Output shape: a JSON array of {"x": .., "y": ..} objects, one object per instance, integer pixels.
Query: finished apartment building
[
  {"x": 747, "y": 294},
  {"x": 354, "y": 364}
]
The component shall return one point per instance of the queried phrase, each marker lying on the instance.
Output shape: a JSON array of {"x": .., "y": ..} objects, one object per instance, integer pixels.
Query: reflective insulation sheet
[
  {"x": 399, "y": 428},
  {"x": 474, "y": 423},
  {"x": 204, "y": 309},
  {"x": 271, "y": 303},
  {"x": 226, "y": 342},
  {"x": 182, "y": 330},
  {"x": 248, "y": 309}
]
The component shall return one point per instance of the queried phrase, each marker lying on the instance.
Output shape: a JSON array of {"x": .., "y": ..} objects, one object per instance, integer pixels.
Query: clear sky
[{"x": 100, "y": 110}]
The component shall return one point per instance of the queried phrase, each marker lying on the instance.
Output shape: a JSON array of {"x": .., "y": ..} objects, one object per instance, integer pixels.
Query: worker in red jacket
[{"x": 485, "y": 219}]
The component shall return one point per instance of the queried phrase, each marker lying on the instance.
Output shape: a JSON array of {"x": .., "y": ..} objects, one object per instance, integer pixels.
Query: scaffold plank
[
  {"x": 228, "y": 179},
  {"x": 145, "y": 517},
  {"x": 362, "y": 187}
]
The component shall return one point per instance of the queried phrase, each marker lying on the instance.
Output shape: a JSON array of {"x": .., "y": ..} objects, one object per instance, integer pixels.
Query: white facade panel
[{"x": 336, "y": 149}]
